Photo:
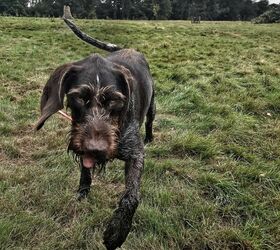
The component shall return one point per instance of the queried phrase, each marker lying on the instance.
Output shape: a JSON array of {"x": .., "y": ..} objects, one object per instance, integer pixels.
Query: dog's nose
[
  {"x": 93, "y": 145},
  {"x": 97, "y": 148}
]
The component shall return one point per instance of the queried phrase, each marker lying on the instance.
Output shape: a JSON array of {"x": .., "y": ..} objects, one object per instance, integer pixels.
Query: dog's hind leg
[
  {"x": 85, "y": 182},
  {"x": 149, "y": 120}
]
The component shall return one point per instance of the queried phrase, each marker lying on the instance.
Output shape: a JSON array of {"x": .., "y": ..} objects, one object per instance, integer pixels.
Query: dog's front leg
[
  {"x": 85, "y": 182},
  {"x": 120, "y": 224}
]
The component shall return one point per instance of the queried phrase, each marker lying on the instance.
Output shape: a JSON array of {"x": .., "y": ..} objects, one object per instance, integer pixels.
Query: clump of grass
[
  {"x": 190, "y": 144},
  {"x": 11, "y": 150}
]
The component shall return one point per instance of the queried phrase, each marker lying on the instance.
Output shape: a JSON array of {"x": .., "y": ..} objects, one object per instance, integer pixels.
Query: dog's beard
[{"x": 77, "y": 136}]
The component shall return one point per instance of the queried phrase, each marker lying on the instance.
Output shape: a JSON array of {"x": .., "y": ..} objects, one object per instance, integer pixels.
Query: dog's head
[{"x": 98, "y": 95}]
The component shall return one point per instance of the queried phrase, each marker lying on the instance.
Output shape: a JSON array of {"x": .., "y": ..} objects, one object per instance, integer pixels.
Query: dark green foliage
[
  {"x": 262, "y": 6},
  {"x": 14, "y": 7},
  {"x": 270, "y": 16},
  {"x": 139, "y": 9}
]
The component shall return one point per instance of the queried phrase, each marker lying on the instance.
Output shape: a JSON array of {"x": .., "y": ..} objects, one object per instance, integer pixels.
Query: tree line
[{"x": 139, "y": 9}]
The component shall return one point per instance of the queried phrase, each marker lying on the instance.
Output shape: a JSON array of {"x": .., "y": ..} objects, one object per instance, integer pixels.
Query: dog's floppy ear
[
  {"x": 54, "y": 91},
  {"x": 126, "y": 84}
]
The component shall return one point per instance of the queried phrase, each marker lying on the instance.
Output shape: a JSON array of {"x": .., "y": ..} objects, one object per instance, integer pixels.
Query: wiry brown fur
[
  {"x": 101, "y": 126},
  {"x": 97, "y": 130}
]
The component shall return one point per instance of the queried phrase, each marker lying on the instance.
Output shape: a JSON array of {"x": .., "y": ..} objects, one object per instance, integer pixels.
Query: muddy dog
[{"x": 109, "y": 98}]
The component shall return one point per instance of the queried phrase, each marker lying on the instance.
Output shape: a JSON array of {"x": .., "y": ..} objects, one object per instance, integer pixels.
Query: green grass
[{"x": 212, "y": 175}]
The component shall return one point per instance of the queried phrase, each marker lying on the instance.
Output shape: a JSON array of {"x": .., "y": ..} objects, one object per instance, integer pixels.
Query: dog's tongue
[{"x": 88, "y": 161}]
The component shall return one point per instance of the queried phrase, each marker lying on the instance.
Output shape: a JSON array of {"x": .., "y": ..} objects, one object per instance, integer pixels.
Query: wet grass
[{"x": 212, "y": 175}]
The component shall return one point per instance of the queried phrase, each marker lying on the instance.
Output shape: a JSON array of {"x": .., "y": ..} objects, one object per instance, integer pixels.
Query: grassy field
[{"x": 212, "y": 175}]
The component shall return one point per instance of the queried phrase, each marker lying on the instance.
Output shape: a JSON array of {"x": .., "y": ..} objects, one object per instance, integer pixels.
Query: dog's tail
[{"x": 99, "y": 44}]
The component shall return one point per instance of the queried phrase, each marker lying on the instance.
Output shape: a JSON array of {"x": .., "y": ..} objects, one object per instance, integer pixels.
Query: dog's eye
[
  {"x": 79, "y": 101},
  {"x": 115, "y": 105},
  {"x": 87, "y": 102}
]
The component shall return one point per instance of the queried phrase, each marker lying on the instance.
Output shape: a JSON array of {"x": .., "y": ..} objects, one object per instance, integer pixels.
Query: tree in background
[
  {"x": 139, "y": 9},
  {"x": 262, "y": 6},
  {"x": 165, "y": 9},
  {"x": 272, "y": 15},
  {"x": 14, "y": 7}
]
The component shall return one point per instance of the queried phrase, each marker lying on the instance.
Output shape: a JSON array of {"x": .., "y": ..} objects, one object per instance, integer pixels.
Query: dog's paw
[
  {"x": 148, "y": 139},
  {"x": 82, "y": 193},
  {"x": 117, "y": 230}
]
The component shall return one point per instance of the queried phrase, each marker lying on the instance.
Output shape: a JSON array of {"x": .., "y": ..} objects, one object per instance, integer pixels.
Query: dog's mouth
[
  {"x": 88, "y": 161},
  {"x": 90, "y": 158}
]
